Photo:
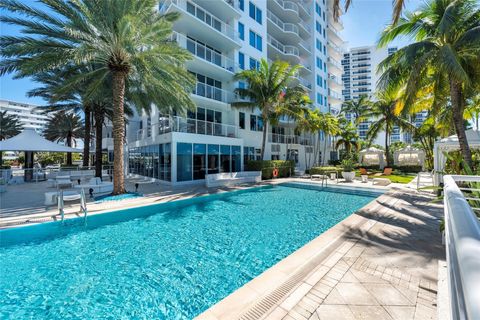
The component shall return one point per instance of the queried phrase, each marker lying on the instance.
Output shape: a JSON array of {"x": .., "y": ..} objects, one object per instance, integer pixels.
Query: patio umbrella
[{"x": 29, "y": 141}]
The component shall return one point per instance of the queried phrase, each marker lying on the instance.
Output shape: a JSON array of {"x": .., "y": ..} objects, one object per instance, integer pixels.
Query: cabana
[
  {"x": 409, "y": 156},
  {"x": 372, "y": 157},
  {"x": 451, "y": 144},
  {"x": 29, "y": 141}
]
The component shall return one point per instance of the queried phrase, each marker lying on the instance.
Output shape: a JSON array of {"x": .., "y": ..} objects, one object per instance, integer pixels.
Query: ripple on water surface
[{"x": 170, "y": 265}]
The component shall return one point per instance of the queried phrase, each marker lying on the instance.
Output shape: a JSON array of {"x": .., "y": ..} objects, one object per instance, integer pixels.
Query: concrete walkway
[{"x": 383, "y": 266}]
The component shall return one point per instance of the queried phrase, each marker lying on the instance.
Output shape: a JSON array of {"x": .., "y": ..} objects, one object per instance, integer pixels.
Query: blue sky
[{"x": 362, "y": 25}]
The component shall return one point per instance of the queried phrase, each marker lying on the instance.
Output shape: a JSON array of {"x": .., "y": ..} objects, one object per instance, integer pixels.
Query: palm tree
[
  {"x": 398, "y": 6},
  {"x": 357, "y": 108},
  {"x": 386, "y": 111},
  {"x": 9, "y": 127},
  {"x": 65, "y": 127},
  {"x": 349, "y": 138},
  {"x": 268, "y": 91},
  {"x": 446, "y": 49},
  {"x": 126, "y": 40}
]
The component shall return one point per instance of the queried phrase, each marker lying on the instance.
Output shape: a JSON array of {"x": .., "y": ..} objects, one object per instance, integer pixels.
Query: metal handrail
[
  {"x": 83, "y": 205},
  {"x": 60, "y": 205},
  {"x": 462, "y": 234}
]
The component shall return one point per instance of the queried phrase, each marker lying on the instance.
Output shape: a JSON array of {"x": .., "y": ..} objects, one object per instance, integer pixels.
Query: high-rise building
[
  {"x": 27, "y": 114},
  {"x": 224, "y": 37},
  {"x": 360, "y": 77}
]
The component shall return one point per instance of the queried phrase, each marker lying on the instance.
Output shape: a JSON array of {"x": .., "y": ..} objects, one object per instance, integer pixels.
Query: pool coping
[{"x": 257, "y": 297}]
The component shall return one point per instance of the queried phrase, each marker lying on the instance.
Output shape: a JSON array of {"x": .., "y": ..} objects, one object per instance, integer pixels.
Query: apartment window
[
  {"x": 255, "y": 13},
  {"x": 241, "y": 60},
  {"x": 319, "y": 63},
  {"x": 242, "y": 85},
  {"x": 241, "y": 4},
  {"x": 324, "y": 50},
  {"x": 319, "y": 80},
  {"x": 256, "y": 123},
  {"x": 317, "y": 9},
  {"x": 323, "y": 15},
  {"x": 241, "y": 31},
  {"x": 255, "y": 40},
  {"x": 241, "y": 120},
  {"x": 318, "y": 27},
  {"x": 325, "y": 83},
  {"x": 254, "y": 64},
  {"x": 325, "y": 67},
  {"x": 318, "y": 44},
  {"x": 319, "y": 98},
  {"x": 325, "y": 101},
  {"x": 324, "y": 32}
]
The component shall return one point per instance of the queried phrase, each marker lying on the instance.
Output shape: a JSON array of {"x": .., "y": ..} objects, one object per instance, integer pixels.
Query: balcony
[
  {"x": 334, "y": 50},
  {"x": 334, "y": 81},
  {"x": 303, "y": 82},
  {"x": 334, "y": 95},
  {"x": 200, "y": 24},
  {"x": 170, "y": 124},
  {"x": 290, "y": 53},
  {"x": 208, "y": 58},
  {"x": 210, "y": 92},
  {"x": 334, "y": 63},
  {"x": 227, "y": 9},
  {"x": 285, "y": 10},
  {"x": 286, "y": 32},
  {"x": 289, "y": 139}
]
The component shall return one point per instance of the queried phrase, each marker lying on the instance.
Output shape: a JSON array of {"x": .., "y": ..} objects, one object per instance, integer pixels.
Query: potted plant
[{"x": 348, "y": 172}]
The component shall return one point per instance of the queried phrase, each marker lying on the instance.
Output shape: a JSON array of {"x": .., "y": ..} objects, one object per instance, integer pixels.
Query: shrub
[
  {"x": 371, "y": 167},
  {"x": 322, "y": 170},
  {"x": 334, "y": 162},
  {"x": 410, "y": 168},
  {"x": 348, "y": 165},
  {"x": 285, "y": 168}
]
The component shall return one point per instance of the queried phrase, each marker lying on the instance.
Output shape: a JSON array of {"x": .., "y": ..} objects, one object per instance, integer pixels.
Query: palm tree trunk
[
  {"x": 458, "y": 108},
  {"x": 69, "y": 154},
  {"x": 324, "y": 149},
  {"x": 118, "y": 131},
  {"x": 86, "y": 138},
  {"x": 387, "y": 155},
  {"x": 264, "y": 139},
  {"x": 99, "y": 118}
]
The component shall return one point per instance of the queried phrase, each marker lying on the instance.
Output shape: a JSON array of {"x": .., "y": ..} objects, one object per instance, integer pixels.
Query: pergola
[
  {"x": 29, "y": 141},
  {"x": 451, "y": 144},
  {"x": 372, "y": 156},
  {"x": 409, "y": 156}
]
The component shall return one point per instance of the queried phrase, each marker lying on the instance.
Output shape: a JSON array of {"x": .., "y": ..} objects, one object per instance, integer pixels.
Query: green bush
[
  {"x": 372, "y": 167},
  {"x": 413, "y": 169},
  {"x": 285, "y": 168},
  {"x": 322, "y": 170}
]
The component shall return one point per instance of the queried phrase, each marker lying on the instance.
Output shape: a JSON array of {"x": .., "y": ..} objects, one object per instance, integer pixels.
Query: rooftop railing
[
  {"x": 462, "y": 235},
  {"x": 187, "y": 125}
]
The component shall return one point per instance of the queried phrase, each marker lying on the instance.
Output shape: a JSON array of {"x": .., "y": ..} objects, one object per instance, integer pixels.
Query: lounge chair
[
  {"x": 97, "y": 186},
  {"x": 364, "y": 172},
  {"x": 381, "y": 181},
  {"x": 386, "y": 172},
  {"x": 63, "y": 181}
]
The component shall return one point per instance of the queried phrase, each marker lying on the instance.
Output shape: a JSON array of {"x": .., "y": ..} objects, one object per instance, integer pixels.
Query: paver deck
[{"x": 383, "y": 266}]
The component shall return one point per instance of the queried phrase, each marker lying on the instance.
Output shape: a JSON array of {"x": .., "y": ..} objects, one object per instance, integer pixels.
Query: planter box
[{"x": 348, "y": 176}]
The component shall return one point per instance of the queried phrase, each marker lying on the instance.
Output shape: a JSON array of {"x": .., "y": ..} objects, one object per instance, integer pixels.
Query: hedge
[
  {"x": 285, "y": 168},
  {"x": 407, "y": 169},
  {"x": 321, "y": 170}
]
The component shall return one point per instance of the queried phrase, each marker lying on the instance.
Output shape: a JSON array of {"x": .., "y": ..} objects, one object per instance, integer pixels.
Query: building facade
[
  {"x": 27, "y": 114},
  {"x": 224, "y": 37},
  {"x": 360, "y": 77}
]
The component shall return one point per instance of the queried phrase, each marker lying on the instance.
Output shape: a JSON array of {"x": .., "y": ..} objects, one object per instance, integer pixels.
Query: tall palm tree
[
  {"x": 446, "y": 49},
  {"x": 9, "y": 127},
  {"x": 65, "y": 127},
  {"x": 268, "y": 91},
  {"x": 386, "y": 111},
  {"x": 349, "y": 138},
  {"x": 358, "y": 108},
  {"x": 398, "y": 6},
  {"x": 127, "y": 40}
]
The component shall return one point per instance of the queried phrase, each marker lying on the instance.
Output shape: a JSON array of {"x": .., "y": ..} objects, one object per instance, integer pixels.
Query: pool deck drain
[{"x": 380, "y": 263}]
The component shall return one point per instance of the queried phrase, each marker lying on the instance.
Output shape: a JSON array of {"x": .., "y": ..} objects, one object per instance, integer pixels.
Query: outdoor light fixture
[
  {"x": 90, "y": 192},
  {"x": 136, "y": 187}
]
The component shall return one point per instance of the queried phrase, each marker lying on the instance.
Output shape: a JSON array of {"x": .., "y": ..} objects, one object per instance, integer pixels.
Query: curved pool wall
[{"x": 169, "y": 261}]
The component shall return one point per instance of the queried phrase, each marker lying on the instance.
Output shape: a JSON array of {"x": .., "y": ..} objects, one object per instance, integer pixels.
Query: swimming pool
[{"x": 166, "y": 261}]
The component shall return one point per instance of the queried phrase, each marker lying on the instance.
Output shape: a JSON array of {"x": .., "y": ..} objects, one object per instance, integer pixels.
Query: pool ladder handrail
[
  {"x": 83, "y": 206},
  {"x": 325, "y": 178}
]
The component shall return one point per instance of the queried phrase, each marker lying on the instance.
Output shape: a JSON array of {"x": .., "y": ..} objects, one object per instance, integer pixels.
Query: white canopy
[
  {"x": 409, "y": 156},
  {"x": 30, "y": 140},
  {"x": 451, "y": 144},
  {"x": 372, "y": 156}
]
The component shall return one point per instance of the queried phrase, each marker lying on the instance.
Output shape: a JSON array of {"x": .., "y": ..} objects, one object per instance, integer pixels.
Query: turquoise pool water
[{"x": 167, "y": 261}]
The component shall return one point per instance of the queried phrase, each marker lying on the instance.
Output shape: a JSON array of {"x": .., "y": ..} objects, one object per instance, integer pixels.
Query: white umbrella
[{"x": 30, "y": 141}]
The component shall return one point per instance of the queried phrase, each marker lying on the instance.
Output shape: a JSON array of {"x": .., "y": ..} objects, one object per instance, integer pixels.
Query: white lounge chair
[
  {"x": 381, "y": 181},
  {"x": 97, "y": 186},
  {"x": 63, "y": 181},
  {"x": 229, "y": 179}
]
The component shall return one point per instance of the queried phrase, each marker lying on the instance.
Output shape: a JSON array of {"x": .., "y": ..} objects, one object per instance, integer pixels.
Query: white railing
[
  {"x": 335, "y": 47},
  {"x": 286, "y": 27},
  {"x": 305, "y": 45},
  {"x": 334, "y": 63},
  {"x": 334, "y": 79},
  {"x": 290, "y": 139},
  {"x": 290, "y": 50},
  {"x": 305, "y": 26},
  {"x": 202, "y": 15},
  {"x": 211, "y": 92},
  {"x": 462, "y": 235},
  {"x": 180, "y": 124},
  {"x": 334, "y": 94},
  {"x": 204, "y": 53},
  {"x": 304, "y": 82},
  {"x": 287, "y": 5}
]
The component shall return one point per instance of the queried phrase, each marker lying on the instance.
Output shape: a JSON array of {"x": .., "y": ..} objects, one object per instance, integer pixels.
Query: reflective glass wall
[
  {"x": 195, "y": 160},
  {"x": 151, "y": 161}
]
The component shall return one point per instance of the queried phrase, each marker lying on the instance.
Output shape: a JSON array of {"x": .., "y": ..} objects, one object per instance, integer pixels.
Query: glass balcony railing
[
  {"x": 286, "y": 27},
  {"x": 202, "y": 15},
  {"x": 210, "y": 92},
  {"x": 169, "y": 124},
  {"x": 334, "y": 63},
  {"x": 285, "y": 49},
  {"x": 207, "y": 54},
  {"x": 289, "y": 139}
]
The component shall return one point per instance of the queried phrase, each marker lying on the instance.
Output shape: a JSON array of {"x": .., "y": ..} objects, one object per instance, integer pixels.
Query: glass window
[
  {"x": 258, "y": 15},
  {"x": 241, "y": 60},
  {"x": 190, "y": 8},
  {"x": 251, "y": 10},
  {"x": 259, "y": 43},
  {"x": 236, "y": 159},
  {"x": 241, "y": 120},
  {"x": 167, "y": 162},
  {"x": 184, "y": 161},
  {"x": 253, "y": 122},
  {"x": 225, "y": 159},
  {"x": 241, "y": 4},
  {"x": 254, "y": 64},
  {"x": 241, "y": 31},
  {"x": 259, "y": 124},
  {"x": 199, "y": 161},
  {"x": 213, "y": 158},
  {"x": 252, "y": 38}
]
